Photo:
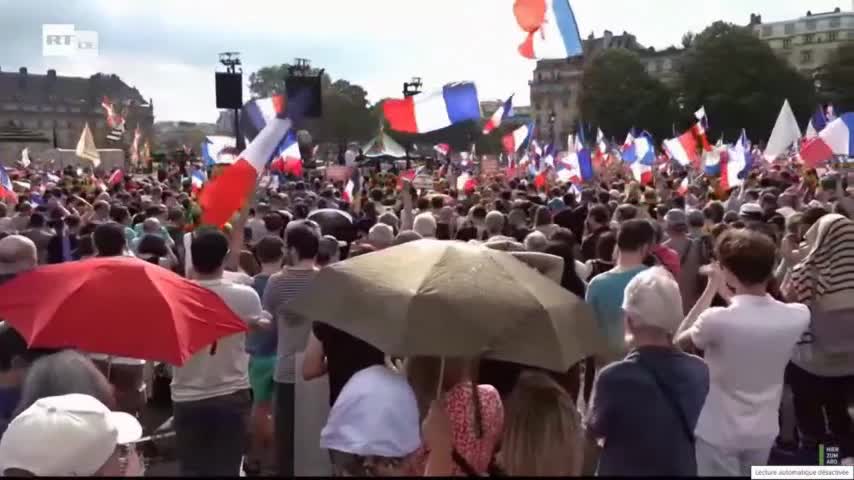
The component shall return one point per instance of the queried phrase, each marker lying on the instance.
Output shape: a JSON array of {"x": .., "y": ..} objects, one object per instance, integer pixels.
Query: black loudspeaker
[
  {"x": 229, "y": 91},
  {"x": 304, "y": 94}
]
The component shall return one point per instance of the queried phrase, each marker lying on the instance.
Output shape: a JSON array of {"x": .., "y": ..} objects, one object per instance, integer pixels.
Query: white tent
[{"x": 383, "y": 146}]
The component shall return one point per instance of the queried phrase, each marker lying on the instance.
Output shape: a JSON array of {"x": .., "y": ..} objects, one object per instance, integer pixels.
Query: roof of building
[{"x": 35, "y": 88}]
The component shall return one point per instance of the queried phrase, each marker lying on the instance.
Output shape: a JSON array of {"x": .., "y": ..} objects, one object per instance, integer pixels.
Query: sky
[{"x": 168, "y": 49}]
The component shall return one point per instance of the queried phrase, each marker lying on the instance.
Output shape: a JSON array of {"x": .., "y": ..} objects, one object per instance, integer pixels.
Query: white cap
[
  {"x": 68, "y": 435},
  {"x": 652, "y": 299},
  {"x": 376, "y": 414}
]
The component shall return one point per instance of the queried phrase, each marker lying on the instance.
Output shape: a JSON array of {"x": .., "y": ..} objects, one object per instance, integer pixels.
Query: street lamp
[{"x": 411, "y": 88}]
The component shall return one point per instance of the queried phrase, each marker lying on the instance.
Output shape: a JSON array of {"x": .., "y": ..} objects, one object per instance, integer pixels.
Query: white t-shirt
[
  {"x": 747, "y": 346},
  {"x": 6, "y": 225},
  {"x": 227, "y": 371}
]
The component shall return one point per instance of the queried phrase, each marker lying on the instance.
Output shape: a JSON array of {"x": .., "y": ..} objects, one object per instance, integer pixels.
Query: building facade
[
  {"x": 59, "y": 107},
  {"x": 556, "y": 85},
  {"x": 806, "y": 42}
]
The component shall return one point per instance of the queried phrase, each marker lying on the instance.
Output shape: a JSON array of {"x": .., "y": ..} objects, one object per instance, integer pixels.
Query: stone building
[
  {"x": 556, "y": 85},
  {"x": 806, "y": 42},
  {"x": 59, "y": 107}
]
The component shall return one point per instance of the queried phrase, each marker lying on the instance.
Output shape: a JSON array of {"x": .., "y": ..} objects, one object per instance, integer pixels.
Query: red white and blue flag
[
  {"x": 442, "y": 148},
  {"x": 427, "y": 112},
  {"x": 197, "y": 179},
  {"x": 837, "y": 139},
  {"x": 288, "y": 159},
  {"x": 736, "y": 163},
  {"x": 224, "y": 195},
  {"x": 551, "y": 29},
  {"x": 7, "y": 191},
  {"x": 504, "y": 110},
  {"x": 518, "y": 138}
]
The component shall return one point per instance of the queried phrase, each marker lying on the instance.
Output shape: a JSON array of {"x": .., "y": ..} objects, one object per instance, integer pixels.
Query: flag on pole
[
  {"x": 504, "y": 110},
  {"x": 197, "y": 179},
  {"x": 289, "y": 159},
  {"x": 551, "y": 28},
  {"x": 442, "y": 148},
  {"x": 683, "y": 149},
  {"x": 427, "y": 112},
  {"x": 115, "y": 120},
  {"x": 785, "y": 133},
  {"x": 25, "y": 157},
  {"x": 817, "y": 123},
  {"x": 226, "y": 194},
  {"x": 518, "y": 138},
  {"x": 701, "y": 117},
  {"x": 627, "y": 151},
  {"x": 737, "y": 162},
  {"x": 837, "y": 138},
  {"x": 86, "y": 147},
  {"x": 585, "y": 163}
]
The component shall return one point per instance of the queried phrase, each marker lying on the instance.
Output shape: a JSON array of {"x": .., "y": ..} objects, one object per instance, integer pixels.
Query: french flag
[
  {"x": 551, "y": 27},
  {"x": 642, "y": 173},
  {"x": 226, "y": 194},
  {"x": 197, "y": 180},
  {"x": 499, "y": 116},
  {"x": 517, "y": 139},
  {"x": 288, "y": 159},
  {"x": 427, "y": 112},
  {"x": 7, "y": 191},
  {"x": 736, "y": 163},
  {"x": 683, "y": 149},
  {"x": 817, "y": 123},
  {"x": 601, "y": 143},
  {"x": 701, "y": 117},
  {"x": 257, "y": 113},
  {"x": 837, "y": 138},
  {"x": 568, "y": 168},
  {"x": 683, "y": 187},
  {"x": 628, "y": 149}
]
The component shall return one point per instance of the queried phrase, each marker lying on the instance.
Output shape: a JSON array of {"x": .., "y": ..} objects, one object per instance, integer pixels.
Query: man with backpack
[{"x": 693, "y": 254}]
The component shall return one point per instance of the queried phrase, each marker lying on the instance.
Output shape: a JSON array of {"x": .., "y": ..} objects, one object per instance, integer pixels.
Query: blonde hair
[
  {"x": 542, "y": 429},
  {"x": 423, "y": 375}
]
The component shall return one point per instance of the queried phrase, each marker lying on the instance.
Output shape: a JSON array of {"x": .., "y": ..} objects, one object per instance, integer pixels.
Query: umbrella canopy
[
  {"x": 453, "y": 299},
  {"x": 383, "y": 146},
  {"x": 116, "y": 306},
  {"x": 337, "y": 223}
]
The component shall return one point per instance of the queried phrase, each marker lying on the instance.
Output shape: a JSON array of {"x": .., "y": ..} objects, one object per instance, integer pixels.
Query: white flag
[
  {"x": 86, "y": 147},
  {"x": 786, "y": 132},
  {"x": 25, "y": 157},
  {"x": 701, "y": 113}
]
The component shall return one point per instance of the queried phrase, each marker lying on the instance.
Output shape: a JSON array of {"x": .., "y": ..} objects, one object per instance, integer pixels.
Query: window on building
[
  {"x": 789, "y": 28},
  {"x": 787, "y": 43},
  {"x": 767, "y": 31},
  {"x": 832, "y": 36},
  {"x": 806, "y": 56},
  {"x": 835, "y": 22},
  {"x": 809, "y": 38},
  {"x": 810, "y": 24}
]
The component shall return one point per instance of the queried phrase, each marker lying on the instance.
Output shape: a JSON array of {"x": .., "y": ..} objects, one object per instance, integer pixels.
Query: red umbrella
[{"x": 116, "y": 306}]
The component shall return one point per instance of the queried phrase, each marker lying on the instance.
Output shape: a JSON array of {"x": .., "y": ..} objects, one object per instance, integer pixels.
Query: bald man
[{"x": 17, "y": 254}]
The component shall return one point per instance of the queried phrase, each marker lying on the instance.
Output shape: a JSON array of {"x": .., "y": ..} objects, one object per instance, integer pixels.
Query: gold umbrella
[{"x": 452, "y": 299}]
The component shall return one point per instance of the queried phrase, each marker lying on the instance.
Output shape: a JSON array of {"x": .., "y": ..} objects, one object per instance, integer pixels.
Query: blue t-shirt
[
  {"x": 261, "y": 343},
  {"x": 644, "y": 434},
  {"x": 605, "y": 295}
]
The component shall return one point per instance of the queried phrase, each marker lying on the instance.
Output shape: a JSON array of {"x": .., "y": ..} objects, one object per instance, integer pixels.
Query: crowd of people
[{"x": 710, "y": 305}]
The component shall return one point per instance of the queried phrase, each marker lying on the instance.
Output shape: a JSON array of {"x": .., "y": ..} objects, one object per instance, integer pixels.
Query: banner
[
  {"x": 488, "y": 165},
  {"x": 423, "y": 182}
]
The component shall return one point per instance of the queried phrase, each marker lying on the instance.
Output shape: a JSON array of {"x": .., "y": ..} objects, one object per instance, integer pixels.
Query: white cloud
[{"x": 382, "y": 43}]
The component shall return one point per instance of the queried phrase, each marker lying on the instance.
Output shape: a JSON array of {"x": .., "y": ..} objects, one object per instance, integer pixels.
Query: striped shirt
[{"x": 293, "y": 331}]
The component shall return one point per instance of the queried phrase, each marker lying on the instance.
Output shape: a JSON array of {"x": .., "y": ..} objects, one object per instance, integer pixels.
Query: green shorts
[{"x": 261, "y": 371}]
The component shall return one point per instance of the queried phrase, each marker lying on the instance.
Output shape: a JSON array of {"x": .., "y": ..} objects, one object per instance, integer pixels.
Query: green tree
[
  {"x": 836, "y": 79},
  {"x": 617, "y": 94},
  {"x": 346, "y": 111},
  {"x": 740, "y": 81}
]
